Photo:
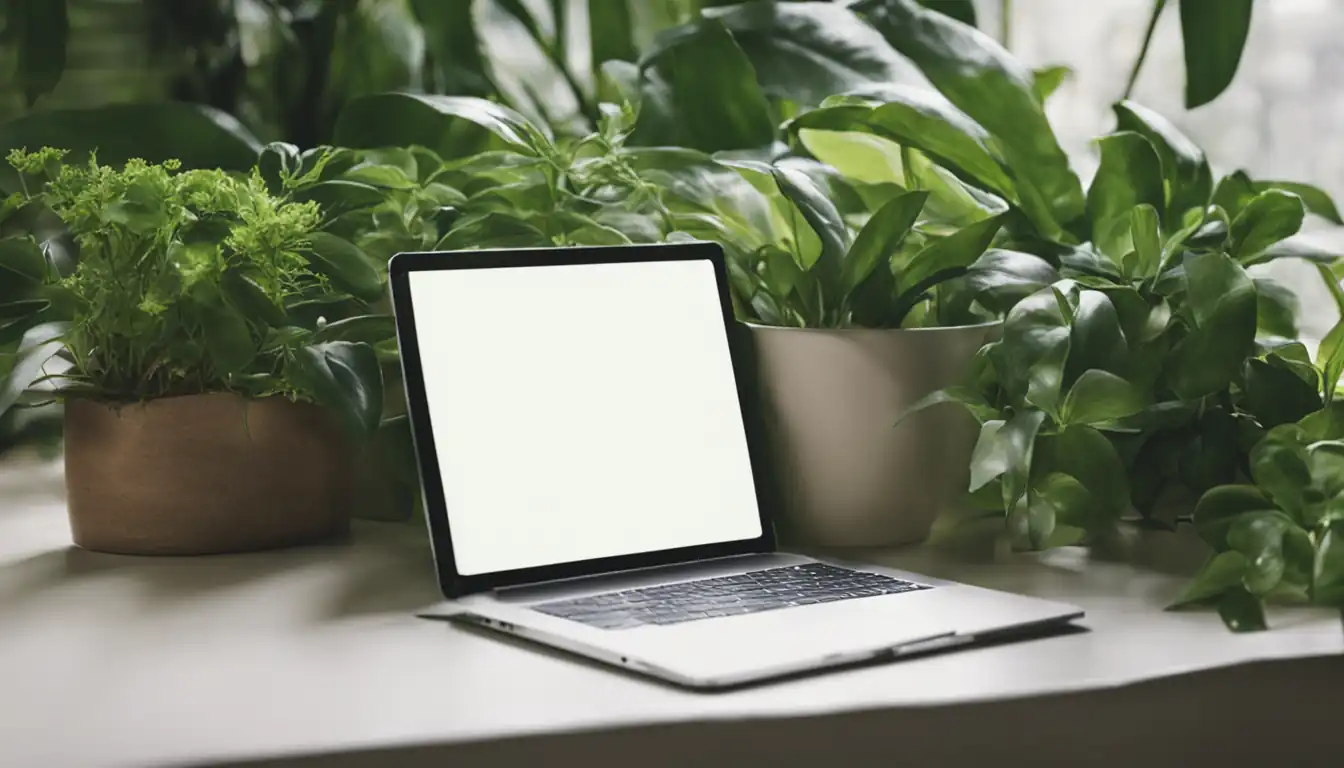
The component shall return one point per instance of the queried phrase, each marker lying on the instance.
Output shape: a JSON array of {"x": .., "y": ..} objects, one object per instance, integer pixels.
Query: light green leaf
[
  {"x": 1047, "y": 80},
  {"x": 1214, "y": 32},
  {"x": 1130, "y": 175},
  {"x": 1004, "y": 450},
  {"x": 958, "y": 250},
  {"x": 986, "y": 82},
  {"x": 1267, "y": 218},
  {"x": 1145, "y": 232},
  {"x": 1221, "y": 573},
  {"x": 344, "y": 377},
  {"x": 1241, "y": 611},
  {"x": 879, "y": 238},
  {"x": 381, "y": 176},
  {"x": 825, "y": 221},
  {"x": 1330, "y": 359},
  {"x": 1098, "y": 397},
  {"x": 345, "y": 264}
]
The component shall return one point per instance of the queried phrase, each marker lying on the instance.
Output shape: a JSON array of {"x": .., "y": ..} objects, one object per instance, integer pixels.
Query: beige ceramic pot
[
  {"x": 205, "y": 474},
  {"x": 845, "y": 477}
]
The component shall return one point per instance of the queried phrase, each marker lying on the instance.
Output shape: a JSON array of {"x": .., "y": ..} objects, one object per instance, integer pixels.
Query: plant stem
[
  {"x": 1332, "y": 285},
  {"x": 1158, "y": 7},
  {"x": 1006, "y": 23}
]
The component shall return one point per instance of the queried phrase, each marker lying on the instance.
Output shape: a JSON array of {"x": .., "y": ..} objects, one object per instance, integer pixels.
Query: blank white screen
[{"x": 582, "y": 411}]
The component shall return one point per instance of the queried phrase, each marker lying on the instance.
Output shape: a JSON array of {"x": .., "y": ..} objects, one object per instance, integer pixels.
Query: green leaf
[
  {"x": 22, "y": 267},
  {"x": 1130, "y": 175},
  {"x": 1145, "y": 232},
  {"x": 1073, "y": 503},
  {"x": 1098, "y": 397},
  {"x": 994, "y": 88},
  {"x": 823, "y": 219},
  {"x": 338, "y": 197},
  {"x": 1222, "y": 572},
  {"x": 199, "y": 136},
  {"x": 1317, "y": 200},
  {"x": 1223, "y": 301},
  {"x": 1300, "y": 246},
  {"x": 1031, "y": 519},
  {"x": 1215, "y": 33},
  {"x": 345, "y": 264},
  {"x": 1260, "y": 538},
  {"x": 806, "y": 51},
  {"x": 1220, "y": 507},
  {"x": 716, "y": 101},
  {"x": 1241, "y": 611},
  {"x": 1031, "y": 357},
  {"x": 1233, "y": 192},
  {"x": 1186, "y": 169},
  {"x": 959, "y": 395},
  {"x": 1328, "y": 573},
  {"x": 879, "y": 238},
  {"x": 1330, "y": 359},
  {"x": 380, "y": 176},
  {"x": 249, "y": 297},
  {"x": 344, "y": 377},
  {"x": 1047, "y": 80},
  {"x": 452, "y": 126},
  {"x": 1276, "y": 308},
  {"x": 961, "y": 10},
  {"x": 369, "y": 329},
  {"x": 999, "y": 279},
  {"x": 611, "y": 30},
  {"x": 1269, "y": 217},
  {"x": 38, "y": 346},
  {"x": 958, "y": 250},
  {"x": 228, "y": 339},
  {"x": 1004, "y": 450},
  {"x": 1088, "y": 456},
  {"x": 454, "y": 47},
  {"x": 39, "y": 30},
  {"x": 1275, "y": 395},
  {"x": 1325, "y": 424},
  {"x": 492, "y": 230},
  {"x": 1097, "y": 340}
]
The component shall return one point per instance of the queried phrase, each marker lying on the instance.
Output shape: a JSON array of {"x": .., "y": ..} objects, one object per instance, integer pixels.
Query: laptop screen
[{"x": 582, "y": 411}]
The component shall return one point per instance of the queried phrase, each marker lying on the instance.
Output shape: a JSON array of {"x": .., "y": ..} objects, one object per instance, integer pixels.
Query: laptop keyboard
[{"x": 751, "y": 592}]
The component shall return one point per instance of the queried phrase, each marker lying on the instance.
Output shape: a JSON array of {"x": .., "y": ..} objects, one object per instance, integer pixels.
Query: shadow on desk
[{"x": 1227, "y": 717}]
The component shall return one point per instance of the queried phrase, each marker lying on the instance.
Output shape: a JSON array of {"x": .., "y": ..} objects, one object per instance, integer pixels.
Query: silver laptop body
[{"x": 593, "y": 478}]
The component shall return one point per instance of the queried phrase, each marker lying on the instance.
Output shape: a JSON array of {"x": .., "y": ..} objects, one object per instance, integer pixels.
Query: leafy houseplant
[{"x": 175, "y": 343}]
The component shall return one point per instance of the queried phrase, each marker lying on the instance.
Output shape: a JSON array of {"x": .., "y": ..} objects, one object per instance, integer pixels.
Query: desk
[{"x": 312, "y": 657}]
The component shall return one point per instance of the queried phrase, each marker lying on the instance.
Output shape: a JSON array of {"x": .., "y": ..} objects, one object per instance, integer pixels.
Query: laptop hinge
[{"x": 614, "y": 575}]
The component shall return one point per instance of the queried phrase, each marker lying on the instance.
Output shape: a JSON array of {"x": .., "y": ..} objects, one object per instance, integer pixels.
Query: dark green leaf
[
  {"x": 1276, "y": 308},
  {"x": 1299, "y": 246},
  {"x": 1097, "y": 340},
  {"x": 958, "y": 395},
  {"x": 1034, "y": 349},
  {"x": 1031, "y": 520},
  {"x": 346, "y": 265},
  {"x": 994, "y": 88},
  {"x": 1242, "y": 611},
  {"x": 1189, "y": 180},
  {"x": 1001, "y": 278},
  {"x": 39, "y": 30},
  {"x": 1328, "y": 574},
  {"x": 1220, "y": 507},
  {"x": 454, "y": 47},
  {"x": 1130, "y": 175},
  {"x": 1260, "y": 538},
  {"x": 199, "y": 136},
  {"x": 1222, "y": 572},
  {"x": 344, "y": 377},
  {"x": 1275, "y": 395},
  {"x": 880, "y": 237},
  {"x": 823, "y": 218},
  {"x": 38, "y": 346},
  {"x": 278, "y": 161},
  {"x": 228, "y": 339},
  {"x": 452, "y": 126},
  {"x": 369, "y": 329},
  {"x": 1268, "y": 217},
  {"x": 1073, "y": 503},
  {"x": 806, "y": 51},
  {"x": 1088, "y": 456},
  {"x": 380, "y": 176},
  {"x": 337, "y": 197},
  {"x": 22, "y": 267},
  {"x": 961, "y": 10},
  {"x": 611, "y": 30},
  {"x": 245, "y": 294},
  {"x": 1214, "y": 32},
  {"x": 715, "y": 98},
  {"x": 1223, "y": 300},
  {"x": 493, "y": 230},
  {"x": 958, "y": 250},
  {"x": 1233, "y": 192}
]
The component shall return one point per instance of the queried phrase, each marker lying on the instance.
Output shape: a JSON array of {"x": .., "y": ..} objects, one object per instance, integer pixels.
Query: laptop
[{"x": 594, "y": 479}]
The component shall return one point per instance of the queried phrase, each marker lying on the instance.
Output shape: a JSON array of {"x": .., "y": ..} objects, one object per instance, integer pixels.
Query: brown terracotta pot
[{"x": 204, "y": 474}]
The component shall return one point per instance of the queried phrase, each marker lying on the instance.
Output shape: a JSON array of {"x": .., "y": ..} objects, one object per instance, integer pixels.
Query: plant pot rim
[
  {"x": 862, "y": 331},
  {"x": 113, "y": 402}
]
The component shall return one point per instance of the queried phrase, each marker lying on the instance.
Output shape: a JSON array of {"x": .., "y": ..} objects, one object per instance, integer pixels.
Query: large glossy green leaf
[
  {"x": 38, "y": 30},
  {"x": 247, "y": 295},
  {"x": 715, "y": 98},
  {"x": 956, "y": 251},
  {"x": 1086, "y": 454},
  {"x": 1268, "y": 218},
  {"x": 1030, "y": 359},
  {"x": 344, "y": 377},
  {"x": 961, "y": 10},
  {"x": 879, "y": 238},
  {"x": 1328, "y": 573},
  {"x": 1098, "y": 397},
  {"x": 821, "y": 216},
  {"x": 1317, "y": 200},
  {"x": 924, "y": 120},
  {"x": 1145, "y": 229},
  {"x": 611, "y": 31},
  {"x": 1275, "y": 394},
  {"x": 1221, "y": 573},
  {"x": 38, "y": 345},
  {"x": 1097, "y": 338},
  {"x": 1220, "y": 507},
  {"x": 806, "y": 51},
  {"x": 1005, "y": 449},
  {"x": 452, "y": 126},
  {"x": 1242, "y": 611},
  {"x": 1186, "y": 169},
  {"x": 346, "y": 265},
  {"x": 199, "y": 136},
  {"x": 228, "y": 338},
  {"x": 493, "y": 230},
  {"x": 1130, "y": 175},
  {"x": 454, "y": 46},
  {"x": 1001, "y": 278},
  {"x": 1330, "y": 360},
  {"x": 1215, "y": 33},
  {"x": 1223, "y": 301},
  {"x": 989, "y": 84},
  {"x": 694, "y": 182},
  {"x": 1279, "y": 466}
]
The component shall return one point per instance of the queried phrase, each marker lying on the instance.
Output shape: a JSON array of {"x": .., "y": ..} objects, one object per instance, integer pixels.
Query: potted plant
[{"x": 203, "y": 414}]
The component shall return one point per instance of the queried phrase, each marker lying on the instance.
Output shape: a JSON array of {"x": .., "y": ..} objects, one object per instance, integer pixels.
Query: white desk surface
[{"x": 120, "y": 661}]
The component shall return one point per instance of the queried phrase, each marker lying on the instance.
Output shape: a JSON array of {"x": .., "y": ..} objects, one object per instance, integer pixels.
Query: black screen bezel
[{"x": 451, "y": 582}]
